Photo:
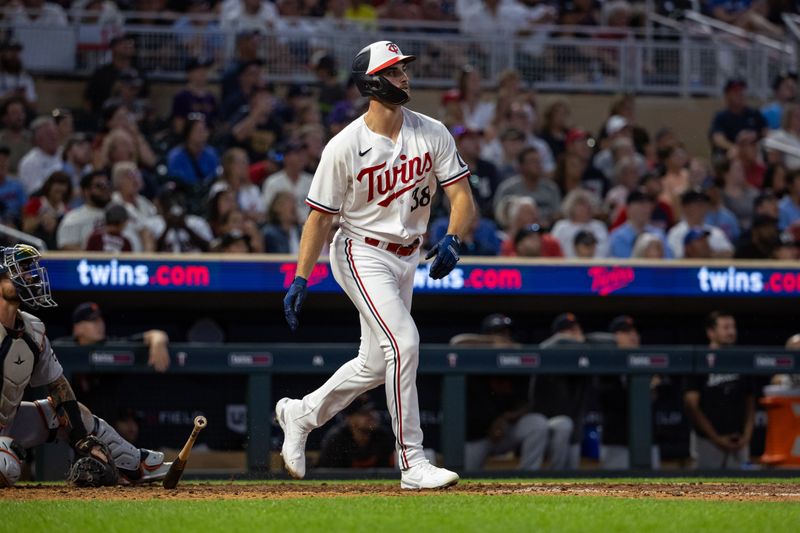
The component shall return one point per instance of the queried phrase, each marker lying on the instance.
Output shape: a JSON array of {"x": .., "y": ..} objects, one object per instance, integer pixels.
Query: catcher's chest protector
[{"x": 18, "y": 354}]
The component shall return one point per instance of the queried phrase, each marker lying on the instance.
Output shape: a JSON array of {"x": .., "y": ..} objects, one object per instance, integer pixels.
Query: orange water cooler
[{"x": 782, "y": 447}]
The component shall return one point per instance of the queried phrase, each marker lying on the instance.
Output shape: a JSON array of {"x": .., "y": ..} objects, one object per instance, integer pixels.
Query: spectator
[
  {"x": 44, "y": 210},
  {"x": 747, "y": 15},
  {"x": 648, "y": 246},
  {"x": 626, "y": 177},
  {"x": 119, "y": 119},
  {"x": 761, "y": 241},
  {"x": 789, "y": 206},
  {"x": 504, "y": 151},
  {"x": 14, "y": 134},
  {"x": 236, "y": 175},
  {"x": 696, "y": 244},
  {"x": 15, "y": 82},
  {"x": 620, "y": 145},
  {"x": 483, "y": 178},
  {"x": 675, "y": 180},
  {"x": 747, "y": 152},
  {"x": 199, "y": 35},
  {"x": 176, "y": 230},
  {"x": 126, "y": 93},
  {"x": 194, "y": 162},
  {"x": 282, "y": 231},
  {"x": 76, "y": 157},
  {"x": 109, "y": 238},
  {"x": 556, "y": 126},
  {"x": 127, "y": 182},
  {"x": 736, "y": 116},
  {"x": 42, "y": 160},
  {"x": 522, "y": 116},
  {"x": 580, "y": 145},
  {"x": 195, "y": 97},
  {"x": 531, "y": 182},
  {"x": 101, "y": 83},
  {"x": 528, "y": 241},
  {"x": 89, "y": 329},
  {"x": 738, "y": 195},
  {"x": 721, "y": 406},
  {"x": 330, "y": 90},
  {"x": 232, "y": 242},
  {"x": 579, "y": 208},
  {"x": 234, "y": 222},
  {"x": 481, "y": 238},
  {"x": 516, "y": 212},
  {"x": 292, "y": 177},
  {"x": 78, "y": 224},
  {"x": 570, "y": 170},
  {"x": 613, "y": 398},
  {"x": 36, "y": 13},
  {"x": 248, "y": 15},
  {"x": 585, "y": 244},
  {"x": 783, "y": 145},
  {"x": 639, "y": 211},
  {"x": 718, "y": 215},
  {"x": 562, "y": 399},
  {"x": 12, "y": 194},
  {"x": 255, "y": 127},
  {"x": 496, "y": 331},
  {"x": 695, "y": 206},
  {"x": 359, "y": 440},
  {"x": 248, "y": 43},
  {"x": 787, "y": 248},
  {"x": 784, "y": 88},
  {"x": 477, "y": 113}
]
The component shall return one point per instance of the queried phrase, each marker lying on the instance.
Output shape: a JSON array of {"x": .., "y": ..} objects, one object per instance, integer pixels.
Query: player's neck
[{"x": 384, "y": 119}]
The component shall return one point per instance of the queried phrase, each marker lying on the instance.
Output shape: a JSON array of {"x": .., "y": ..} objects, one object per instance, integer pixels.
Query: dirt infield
[{"x": 700, "y": 490}]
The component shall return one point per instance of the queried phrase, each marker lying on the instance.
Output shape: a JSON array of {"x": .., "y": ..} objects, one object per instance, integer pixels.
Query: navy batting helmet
[{"x": 369, "y": 62}]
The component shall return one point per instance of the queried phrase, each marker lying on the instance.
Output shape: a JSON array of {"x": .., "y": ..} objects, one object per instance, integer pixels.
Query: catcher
[{"x": 102, "y": 456}]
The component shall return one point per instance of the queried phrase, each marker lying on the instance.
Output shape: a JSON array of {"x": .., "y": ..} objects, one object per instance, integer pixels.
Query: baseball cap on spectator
[
  {"x": 86, "y": 311},
  {"x": 695, "y": 234},
  {"x": 451, "y": 96},
  {"x": 131, "y": 77},
  {"x": 361, "y": 405},
  {"x": 496, "y": 322},
  {"x": 121, "y": 38},
  {"x": 564, "y": 321},
  {"x": 324, "y": 61},
  {"x": 116, "y": 214},
  {"x": 638, "y": 196},
  {"x": 585, "y": 238},
  {"x": 694, "y": 196},
  {"x": 615, "y": 124},
  {"x": 461, "y": 130},
  {"x": 525, "y": 231},
  {"x": 575, "y": 134},
  {"x": 11, "y": 43},
  {"x": 621, "y": 323},
  {"x": 735, "y": 84},
  {"x": 4, "y": 149},
  {"x": 780, "y": 78},
  {"x": 198, "y": 62}
]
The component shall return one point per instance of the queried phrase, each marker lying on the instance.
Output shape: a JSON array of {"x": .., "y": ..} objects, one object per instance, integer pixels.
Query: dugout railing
[{"x": 263, "y": 364}]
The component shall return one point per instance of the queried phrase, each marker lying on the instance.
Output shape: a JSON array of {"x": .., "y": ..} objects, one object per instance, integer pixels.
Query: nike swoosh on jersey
[{"x": 362, "y": 154}]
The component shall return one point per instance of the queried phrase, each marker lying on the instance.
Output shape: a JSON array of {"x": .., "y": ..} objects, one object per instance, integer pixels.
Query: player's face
[
  {"x": 398, "y": 76},
  {"x": 724, "y": 332},
  {"x": 627, "y": 339}
]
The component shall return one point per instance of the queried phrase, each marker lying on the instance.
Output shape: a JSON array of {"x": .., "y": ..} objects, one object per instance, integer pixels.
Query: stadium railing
[
  {"x": 262, "y": 364},
  {"x": 657, "y": 59}
]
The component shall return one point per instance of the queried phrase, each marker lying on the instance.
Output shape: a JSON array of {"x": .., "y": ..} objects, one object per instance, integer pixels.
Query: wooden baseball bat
[{"x": 176, "y": 470}]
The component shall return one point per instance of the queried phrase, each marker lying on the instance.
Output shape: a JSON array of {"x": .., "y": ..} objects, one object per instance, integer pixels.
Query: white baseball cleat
[
  {"x": 427, "y": 476},
  {"x": 294, "y": 441},
  {"x": 152, "y": 468}
]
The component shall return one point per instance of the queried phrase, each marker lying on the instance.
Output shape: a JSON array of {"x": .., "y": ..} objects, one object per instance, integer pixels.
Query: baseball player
[
  {"x": 103, "y": 457},
  {"x": 377, "y": 177}
]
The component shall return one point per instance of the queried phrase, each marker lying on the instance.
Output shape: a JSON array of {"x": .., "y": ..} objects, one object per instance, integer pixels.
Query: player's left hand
[
  {"x": 293, "y": 301},
  {"x": 446, "y": 252}
]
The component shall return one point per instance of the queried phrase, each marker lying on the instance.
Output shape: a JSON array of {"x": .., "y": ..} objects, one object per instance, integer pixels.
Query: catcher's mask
[
  {"x": 366, "y": 72},
  {"x": 21, "y": 264}
]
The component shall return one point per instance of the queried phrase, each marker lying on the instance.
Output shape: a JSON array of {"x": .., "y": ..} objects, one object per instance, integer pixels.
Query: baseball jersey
[
  {"x": 26, "y": 358},
  {"x": 383, "y": 189}
]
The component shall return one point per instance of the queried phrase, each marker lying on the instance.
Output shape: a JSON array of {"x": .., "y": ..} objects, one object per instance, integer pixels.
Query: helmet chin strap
[{"x": 390, "y": 94}]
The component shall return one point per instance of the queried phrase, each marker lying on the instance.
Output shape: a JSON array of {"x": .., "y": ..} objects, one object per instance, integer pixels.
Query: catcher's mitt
[{"x": 94, "y": 465}]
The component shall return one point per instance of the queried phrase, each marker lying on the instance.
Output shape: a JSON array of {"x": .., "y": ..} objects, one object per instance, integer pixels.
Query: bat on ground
[{"x": 176, "y": 470}]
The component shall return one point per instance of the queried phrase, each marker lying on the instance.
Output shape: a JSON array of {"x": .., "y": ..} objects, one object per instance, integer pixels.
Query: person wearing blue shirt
[
  {"x": 639, "y": 209},
  {"x": 789, "y": 206},
  {"x": 785, "y": 88},
  {"x": 194, "y": 162},
  {"x": 719, "y": 215},
  {"x": 12, "y": 194}
]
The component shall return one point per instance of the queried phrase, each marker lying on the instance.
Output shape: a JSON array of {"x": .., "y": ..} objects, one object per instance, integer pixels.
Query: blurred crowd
[{"x": 227, "y": 168}]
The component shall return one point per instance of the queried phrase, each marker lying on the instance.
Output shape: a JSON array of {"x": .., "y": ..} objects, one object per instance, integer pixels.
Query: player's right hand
[{"x": 293, "y": 301}]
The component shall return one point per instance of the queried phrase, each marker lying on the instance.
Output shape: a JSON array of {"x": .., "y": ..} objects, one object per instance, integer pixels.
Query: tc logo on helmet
[{"x": 393, "y": 48}]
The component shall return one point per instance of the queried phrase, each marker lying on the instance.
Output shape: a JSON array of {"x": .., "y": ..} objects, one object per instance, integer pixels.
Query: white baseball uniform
[{"x": 382, "y": 191}]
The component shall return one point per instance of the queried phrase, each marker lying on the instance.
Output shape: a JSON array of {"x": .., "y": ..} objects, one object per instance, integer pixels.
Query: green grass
[{"x": 382, "y": 514}]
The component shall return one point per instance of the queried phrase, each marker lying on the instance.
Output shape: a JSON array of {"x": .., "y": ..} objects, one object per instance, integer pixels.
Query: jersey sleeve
[
  {"x": 448, "y": 167},
  {"x": 329, "y": 184},
  {"x": 48, "y": 369}
]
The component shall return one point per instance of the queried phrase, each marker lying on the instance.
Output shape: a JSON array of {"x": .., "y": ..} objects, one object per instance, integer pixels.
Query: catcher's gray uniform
[{"x": 28, "y": 359}]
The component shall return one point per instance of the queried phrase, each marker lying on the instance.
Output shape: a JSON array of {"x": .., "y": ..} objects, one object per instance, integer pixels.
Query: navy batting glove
[
  {"x": 293, "y": 301},
  {"x": 446, "y": 252}
]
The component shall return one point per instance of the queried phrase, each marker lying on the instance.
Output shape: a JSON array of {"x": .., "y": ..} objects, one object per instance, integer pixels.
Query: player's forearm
[
  {"x": 462, "y": 212},
  {"x": 701, "y": 422},
  {"x": 67, "y": 406},
  {"x": 315, "y": 234}
]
